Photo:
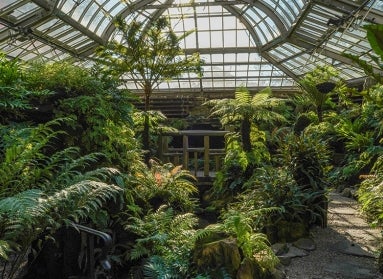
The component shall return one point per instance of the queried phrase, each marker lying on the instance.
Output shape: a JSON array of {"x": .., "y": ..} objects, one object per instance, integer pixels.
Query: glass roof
[{"x": 251, "y": 43}]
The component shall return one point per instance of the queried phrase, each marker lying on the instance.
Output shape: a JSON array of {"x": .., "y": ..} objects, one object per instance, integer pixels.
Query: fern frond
[
  {"x": 259, "y": 99},
  {"x": 20, "y": 203},
  {"x": 4, "y": 249},
  {"x": 242, "y": 95},
  {"x": 156, "y": 269}
]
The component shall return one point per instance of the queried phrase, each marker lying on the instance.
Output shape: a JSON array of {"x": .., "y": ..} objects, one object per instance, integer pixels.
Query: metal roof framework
[{"x": 255, "y": 43}]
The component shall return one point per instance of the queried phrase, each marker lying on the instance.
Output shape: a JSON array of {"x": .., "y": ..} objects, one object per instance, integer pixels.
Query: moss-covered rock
[
  {"x": 214, "y": 253},
  {"x": 249, "y": 270}
]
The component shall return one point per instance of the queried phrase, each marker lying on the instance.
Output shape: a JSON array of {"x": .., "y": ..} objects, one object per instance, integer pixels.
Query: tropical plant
[
  {"x": 34, "y": 213},
  {"x": 101, "y": 113},
  {"x": 360, "y": 134},
  {"x": 374, "y": 36},
  {"x": 229, "y": 180},
  {"x": 370, "y": 197},
  {"x": 148, "y": 54},
  {"x": 273, "y": 187},
  {"x": 15, "y": 98},
  {"x": 157, "y": 124},
  {"x": 165, "y": 240},
  {"x": 43, "y": 189},
  {"x": 307, "y": 158},
  {"x": 370, "y": 194},
  {"x": 317, "y": 87},
  {"x": 159, "y": 184},
  {"x": 241, "y": 224},
  {"x": 246, "y": 110}
]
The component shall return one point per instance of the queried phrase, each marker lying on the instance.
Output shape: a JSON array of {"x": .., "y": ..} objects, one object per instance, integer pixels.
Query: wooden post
[
  {"x": 185, "y": 142},
  {"x": 206, "y": 145},
  {"x": 161, "y": 148}
]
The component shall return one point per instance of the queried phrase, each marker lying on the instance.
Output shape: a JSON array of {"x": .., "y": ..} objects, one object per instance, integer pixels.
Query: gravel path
[{"x": 338, "y": 245}]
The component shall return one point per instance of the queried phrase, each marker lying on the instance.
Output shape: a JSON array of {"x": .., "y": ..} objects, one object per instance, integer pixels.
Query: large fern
[
  {"x": 15, "y": 98},
  {"x": 171, "y": 184},
  {"x": 25, "y": 216},
  {"x": 43, "y": 189},
  {"x": 23, "y": 160},
  {"x": 165, "y": 240},
  {"x": 254, "y": 245},
  {"x": 247, "y": 110}
]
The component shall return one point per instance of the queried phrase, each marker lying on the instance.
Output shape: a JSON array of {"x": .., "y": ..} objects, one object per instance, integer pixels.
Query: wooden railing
[{"x": 191, "y": 153}]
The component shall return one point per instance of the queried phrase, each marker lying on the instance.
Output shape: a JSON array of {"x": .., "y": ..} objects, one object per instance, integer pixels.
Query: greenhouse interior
[{"x": 191, "y": 139}]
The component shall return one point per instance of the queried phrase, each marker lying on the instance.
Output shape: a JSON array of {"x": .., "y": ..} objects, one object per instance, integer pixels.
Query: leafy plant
[
  {"x": 164, "y": 184},
  {"x": 246, "y": 110},
  {"x": 370, "y": 194},
  {"x": 157, "y": 124},
  {"x": 43, "y": 189},
  {"x": 374, "y": 36},
  {"x": 149, "y": 55},
  {"x": 15, "y": 97},
  {"x": 254, "y": 245},
  {"x": 307, "y": 158},
  {"x": 165, "y": 240},
  {"x": 317, "y": 86},
  {"x": 275, "y": 188}
]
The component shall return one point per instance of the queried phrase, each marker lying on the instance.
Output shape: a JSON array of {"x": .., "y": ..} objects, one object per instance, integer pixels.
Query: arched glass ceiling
[{"x": 255, "y": 43}]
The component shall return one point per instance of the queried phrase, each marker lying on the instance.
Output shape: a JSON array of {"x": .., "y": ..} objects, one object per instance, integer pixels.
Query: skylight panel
[
  {"x": 203, "y": 23},
  {"x": 378, "y": 5},
  {"x": 24, "y": 10},
  {"x": 69, "y": 36},
  {"x": 57, "y": 31},
  {"x": 7, "y": 3},
  {"x": 88, "y": 14},
  {"x": 216, "y": 39}
]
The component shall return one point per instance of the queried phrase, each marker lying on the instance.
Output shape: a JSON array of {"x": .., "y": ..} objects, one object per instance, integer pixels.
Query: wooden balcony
[{"x": 200, "y": 151}]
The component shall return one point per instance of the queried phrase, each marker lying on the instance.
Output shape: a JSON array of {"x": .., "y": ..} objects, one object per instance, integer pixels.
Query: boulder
[{"x": 213, "y": 255}]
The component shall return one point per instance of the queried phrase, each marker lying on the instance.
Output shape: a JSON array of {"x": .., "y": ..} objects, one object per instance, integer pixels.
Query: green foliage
[
  {"x": 159, "y": 184},
  {"x": 246, "y": 110},
  {"x": 230, "y": 178},
  {"x": 103, "y": 124},
  {"x": 15, "y": 97},
  {"x": 370, "y": 196},
  {"x": 32, "y": 212},
  {"x": 148, "y": 55},
  {"x": 254, "y": 245},
  {"x": 374, "y": 36},
  {"x": 64, "y": 78},
  {"x": 23, "y": 162},
  {"x": 307, "y": 159},
  {"x": 29, "y": 161},
  {"x": 370, "y": 193},
  {"x": 272, "y": 187},
  {"x": 43, "y": 189},
  {"x": 166, "y": 240},
  {"x": 310, "y": 84},
  {"x": 157, "y": 124},
  {"x": 360, "y": 134}
]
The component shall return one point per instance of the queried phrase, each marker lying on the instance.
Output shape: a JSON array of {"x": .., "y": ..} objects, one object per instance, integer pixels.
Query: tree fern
[{"x": 246, "y": 110}]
